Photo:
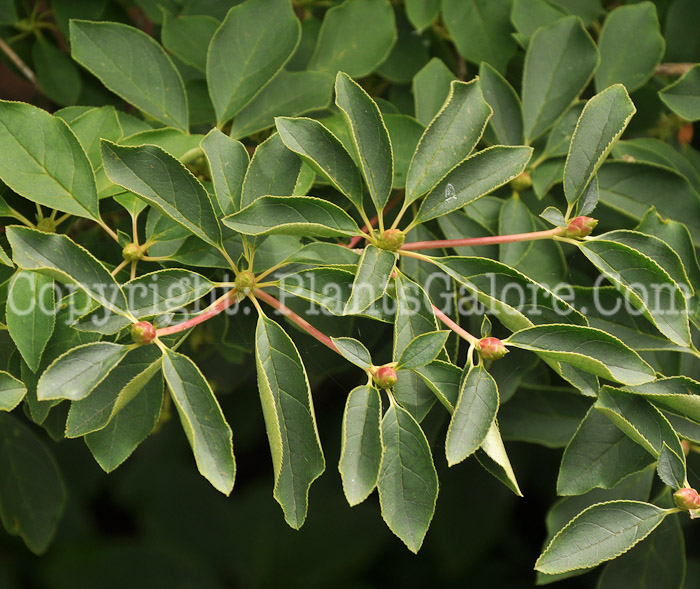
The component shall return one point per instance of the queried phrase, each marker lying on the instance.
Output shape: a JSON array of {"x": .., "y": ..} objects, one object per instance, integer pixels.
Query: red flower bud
[
  {"x": 391, "y": 240},
  {"x": 132, "y": 252},
  {"x": 521, "y": 182},
  {"x": 685, "y": 444},
  {"x": 491, "y": 348},
  {"x": 385, "y": 377},
  {"x": 580, "y": 227},
  {"x": 687, "y": 499},
  {"x": 143, "y": 333}
]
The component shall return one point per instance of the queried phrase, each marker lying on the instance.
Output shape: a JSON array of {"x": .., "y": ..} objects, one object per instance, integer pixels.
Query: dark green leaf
[
  {"x": 361, "y": 450},
  {"x": 253, "y": 43},
  {"x": 408, "y": 483},
  {"x": 132, "y": 65},
  {"x": 370, "y": 138},
  {"x": 431, "y": 87},
  {"x": 372, "y": 278},
  {"x": 353, "y": 351},
  {"x": 187, "y": 37},
  {"x": 473, "y": 415},
  {"x": 422, "y": 350},
  {"x": 228, "y": 162},
  {"x": 550, "y": 84},
  {"x": 44, "y": 162},
  {"x": 32, "y": 495},
  {"x": 202, "y": 419},
  {"x": 159, "y": 178},
  {"x": 507, "y": 119},
  {"x": 683, "y": 96},
  {"x": 671, "y": 468},
  {"x": 12, "y": 391},
  {"x": 297, "y": 457}
]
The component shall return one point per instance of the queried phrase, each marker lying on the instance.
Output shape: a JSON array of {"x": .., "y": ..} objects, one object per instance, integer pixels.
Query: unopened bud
[
  {"x": 491, "y": 348},
  {"x": 521, "y": 182},
  {"x": 391, "y": 240},
  {"x": 580, "y": 227},
  {"x": 245, "y": 282},
  {"x": 687, "y": 499},
  {"x": 385, "y": 377},
  {"x": 132, "y": 252},
  {"x": 143, "y": 333},
  {"x": 47, "y": 225},
  {"x": 685, "y": 444}
]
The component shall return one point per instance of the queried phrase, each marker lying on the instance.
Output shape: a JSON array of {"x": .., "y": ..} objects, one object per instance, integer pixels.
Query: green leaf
[
  {"x": 58, "y": 76},
  {"x": 599, "y": 455},
  {"x": 422, "y": 350},
  {"x": 44, "y": 162},
  {"x": 431, "y": 87},
  {"x": 656, "y": 249},
  {"x": 253, "y": 43},
  {"x": 202, "y": 419},
  {"x": 132, "y": 65},
  {"x": 422, "y": 12},
  {"x": 632, "y": 187},
  {"x": 515, "y": 217},
  {"x": 134, "y": 422},
  {"x": 370, "y": 138},
  {"x": 150, "y": 295},
  {"x": 559, "y": 138},
  {"x": 658, "y": 561},
  {"x": 492, "y": 456},
  {"x": 478, "y": 175},
  {"x": 372, "y": 278},
  {"x": 493, "y": 285},
  {"x": 529, "y": 15},
  {"x": 671, "y": 468},
  {"x": 12, "y": 391},
  {"x": 297, "y": 457},
  {"x": 289, "y": 94},
  {"x": 507, "y": 119},
  {"x": 140, "y": 371},
  {"x": 630, "y": 62},
  {"x": 586, "y": 348},
  {"x": 165, "y": 183},
  {"x": 647, "y": 286},
  {"x": 473, "y": 415},
  {"x": 187, "y": 37},
  {"x": 679, "y": 394},
  {"x": 32, "y": 495},
  {"x": 75, "y": 374},
  {"x": 683, "y": 96},
  {"x": 550, "y": 84},
  {"x": 228, "y": 162},
  {"x": 361, "y": 444},
  {"x": 60, "y": 258},
  {"x": 408, "y": 483},
  {"x": 273, "y": 170},
  {"x": 481, "y": 30},
  {"x": 353, "y": 351},
  {"x": 599, "y": 533},
  {"x": 355, "y": 37},
  {"x": 603, "y": 120},
  {"x": 639, "y": 419},
  {"x": 542, "y": 417},
  {"x": 443, "y": 379},
  {"x": 324, "y": 153},
  {"x": 450, "y": 137},
  {"x": 404, "y": 132},
  {"x": 292, "y": 215},
  {"x": 31, "y": 314}
]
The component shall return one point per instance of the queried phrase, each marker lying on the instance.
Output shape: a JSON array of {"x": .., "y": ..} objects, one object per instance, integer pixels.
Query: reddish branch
[
  {"x": 463, "y": 333},
  {"x": 490, "y": 240},
  {"x": 221, "y": 304},
  {"x": 292, "y": 316}
]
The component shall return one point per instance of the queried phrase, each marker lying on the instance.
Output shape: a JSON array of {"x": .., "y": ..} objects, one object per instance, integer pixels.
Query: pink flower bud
[
  {"x": 385, "y": 377},
  {"x": 143, "y": 333},
  {"x": 580, "y": 227},
  {"x": 687, "y": 499},
  {"x": 491, "y": 348}
]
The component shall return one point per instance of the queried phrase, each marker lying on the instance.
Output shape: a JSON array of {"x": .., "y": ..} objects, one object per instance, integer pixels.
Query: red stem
[
  {"x": 490, "y": 240},
  {"x": 300, "y": 321},
  {"x": 217, "y": 307},
  {"x": 373, "y": 221},
  {"x": 454, "y": 327}
]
